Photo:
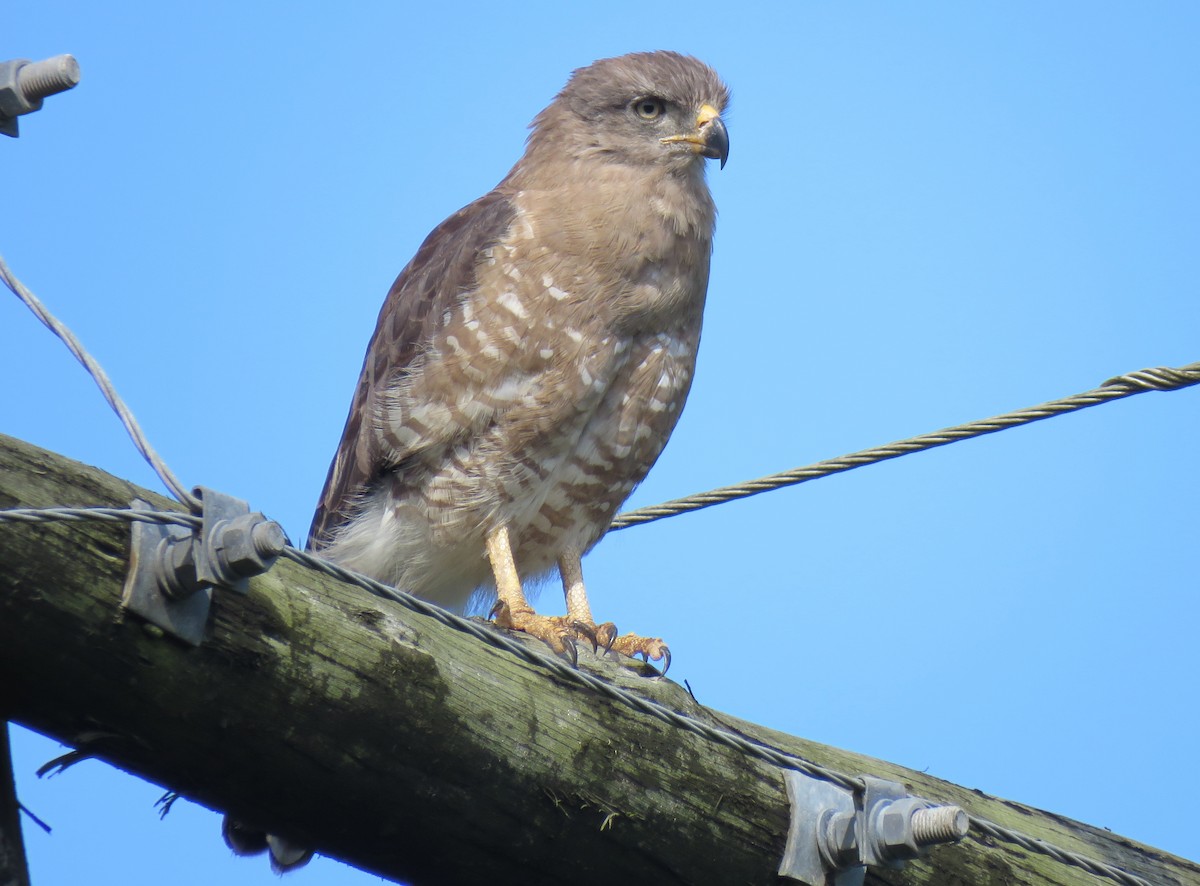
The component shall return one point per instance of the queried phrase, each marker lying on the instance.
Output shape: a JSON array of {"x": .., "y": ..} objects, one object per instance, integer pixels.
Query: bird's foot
[
  {"x": 559, "y": 632},
  {"x": 647, "y": 647}
]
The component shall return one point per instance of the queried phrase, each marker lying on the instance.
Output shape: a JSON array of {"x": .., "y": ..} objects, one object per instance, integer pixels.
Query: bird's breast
[{"x": 548, "y": 389}]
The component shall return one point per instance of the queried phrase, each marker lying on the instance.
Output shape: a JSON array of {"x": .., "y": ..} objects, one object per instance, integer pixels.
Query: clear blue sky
[{"x": 932, "y": 213}]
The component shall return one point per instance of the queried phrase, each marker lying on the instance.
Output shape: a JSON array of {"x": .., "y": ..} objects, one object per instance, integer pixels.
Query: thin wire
[
  {"x": 1041, "y": 847},
  {"x": 110, "y": 394},
  {"x": 560, "y": 668},
  {"x": 106, "y": 515},
  {"x": 1156, "y": 379}
]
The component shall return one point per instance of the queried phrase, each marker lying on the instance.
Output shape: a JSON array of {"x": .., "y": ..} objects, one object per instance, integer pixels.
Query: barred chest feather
[
  {"x": 541, "y": 398},
  {"x": 536, "y": 409}
]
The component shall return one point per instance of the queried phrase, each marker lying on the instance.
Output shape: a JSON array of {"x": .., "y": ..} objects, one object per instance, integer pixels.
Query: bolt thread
[
  {"x": 269, "y": 539},
  {"x": 40, "y": 79},
  {"x": 939, "y": 824}
]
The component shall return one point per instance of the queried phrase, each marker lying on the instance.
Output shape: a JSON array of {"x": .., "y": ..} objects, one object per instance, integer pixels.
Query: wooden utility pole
[
  {"x": 412, "y": 750},
  {"x": 13, "y": 868}
]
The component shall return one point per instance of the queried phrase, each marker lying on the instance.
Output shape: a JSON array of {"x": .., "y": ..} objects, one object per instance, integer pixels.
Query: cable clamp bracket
[
  {"x": 173, "y": 570},
  {"x": 836, "y": 833}
]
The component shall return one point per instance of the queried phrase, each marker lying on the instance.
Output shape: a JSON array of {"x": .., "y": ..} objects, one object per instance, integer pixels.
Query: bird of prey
[{"x": 532, "y": 359}]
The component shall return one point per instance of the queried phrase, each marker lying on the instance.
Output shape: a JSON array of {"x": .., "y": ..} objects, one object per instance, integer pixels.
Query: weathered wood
[
  {"x": 14, "y": 870},
  {"x": 410, "y": 749}
]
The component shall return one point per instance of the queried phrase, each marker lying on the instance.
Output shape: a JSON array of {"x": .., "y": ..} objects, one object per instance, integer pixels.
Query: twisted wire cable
[
  {"x": 106, "y": 515},
  {"x": 1159, "y": 378},
  {"x": 1063, "y": 856},
  {"x": 562, "y": 669},
  {"x": 96, "y": 371}
]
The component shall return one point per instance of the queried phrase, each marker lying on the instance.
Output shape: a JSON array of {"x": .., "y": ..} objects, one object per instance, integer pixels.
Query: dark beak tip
[{"x": 718, "y": 141}]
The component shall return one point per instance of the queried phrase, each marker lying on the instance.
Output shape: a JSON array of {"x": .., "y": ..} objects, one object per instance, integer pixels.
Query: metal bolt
[
  {"x": 23, "y": 85},
  {"x": 939, "y": 824},
  {"x": 176, "y": 568},
  {"x": 269, "y": 539},
  {"x": 245, "y": 544},
  {"x": 904, "y": 828},
  {"x": 36, "y": 80},
  {"x": 837, "y": 839}
]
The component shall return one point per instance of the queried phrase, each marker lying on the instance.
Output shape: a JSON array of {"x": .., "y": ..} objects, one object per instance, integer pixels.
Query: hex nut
[
  {"x": 893, "y": 832},
  {"x": 235, "y": 548}
]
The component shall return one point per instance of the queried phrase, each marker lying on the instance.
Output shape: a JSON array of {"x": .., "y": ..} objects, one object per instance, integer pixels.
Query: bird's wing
[{"x": 443, "y": 268}]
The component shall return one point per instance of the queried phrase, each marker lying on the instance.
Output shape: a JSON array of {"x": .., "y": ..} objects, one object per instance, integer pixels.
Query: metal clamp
[
  {"x": 23, "y": 85},
  {"x": 836, "y": 833},
  {"x": 172, "y": 570}
]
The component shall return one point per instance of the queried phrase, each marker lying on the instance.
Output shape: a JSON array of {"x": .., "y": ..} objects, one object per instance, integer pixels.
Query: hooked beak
[
  {"x": 710, "y": 138},
  {"x": 713, "y": 133}
]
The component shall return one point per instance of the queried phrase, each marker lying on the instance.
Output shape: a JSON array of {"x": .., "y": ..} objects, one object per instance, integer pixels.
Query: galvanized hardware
[
  {"x": 836, "y": 833},
  {"x": 234, "y": 543},
  {"x": 823, "y": 837},
  {"x": 161, "y": 583},
  {"x": 906, "y": 828},
  {"x": 878, "y": 796},
  {"x": 173, "y": 571},
  {"x": 23, "y": 85}
]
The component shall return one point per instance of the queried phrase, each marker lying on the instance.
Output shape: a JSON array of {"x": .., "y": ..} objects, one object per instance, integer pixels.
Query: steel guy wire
[
  {"x": 560, "y": 668},
  {"x": 1041, "y": 847},
  {"x": 107, "y": 515},
  {"x": 110, "y": 394},
  {"x": 1156, "y": 379}
]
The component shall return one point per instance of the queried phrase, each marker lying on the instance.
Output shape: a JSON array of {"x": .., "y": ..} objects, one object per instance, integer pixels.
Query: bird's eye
[{"x": 649, "y": 108}]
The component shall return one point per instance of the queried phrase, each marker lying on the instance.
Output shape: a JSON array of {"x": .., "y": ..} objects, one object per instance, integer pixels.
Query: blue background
[{"x": 932, "y": 213}]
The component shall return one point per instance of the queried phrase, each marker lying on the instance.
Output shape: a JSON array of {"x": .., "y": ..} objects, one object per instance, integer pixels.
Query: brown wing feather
[{"x": 443, "y": 267}]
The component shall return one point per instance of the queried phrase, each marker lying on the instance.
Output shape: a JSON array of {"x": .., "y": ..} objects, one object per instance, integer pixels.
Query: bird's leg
[
  {"x": 504, "y": 569},
  {"x": 512, "y": 609},
  {"x": 579, "y": 615}
]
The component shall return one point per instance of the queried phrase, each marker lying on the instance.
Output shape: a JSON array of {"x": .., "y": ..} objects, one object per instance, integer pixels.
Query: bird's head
[{"x": 644, "y": 109}]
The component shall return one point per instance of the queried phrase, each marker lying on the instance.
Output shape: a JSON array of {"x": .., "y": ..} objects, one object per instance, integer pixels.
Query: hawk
[{"x": 532, "y": 359}]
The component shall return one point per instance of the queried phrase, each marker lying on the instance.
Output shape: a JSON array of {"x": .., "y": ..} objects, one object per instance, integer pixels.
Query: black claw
[
  {"x": 610, "y": 634},
  {"x": 586, "y": 630},
  {"x": 666, "y": 655},
  {"x": 497, "y": 607},
  {"x": 571, "y": 651}
]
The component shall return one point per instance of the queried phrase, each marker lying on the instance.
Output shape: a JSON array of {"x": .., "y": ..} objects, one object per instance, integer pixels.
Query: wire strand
[
  {"x": 1156, "y": 379},
  {"x": 106, "y": 515},
  {"x": 96, "y": 371}
]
